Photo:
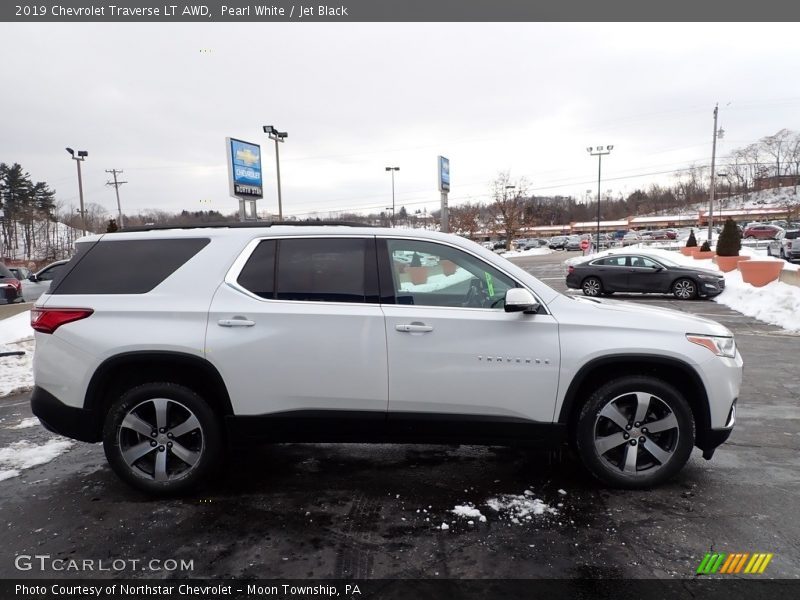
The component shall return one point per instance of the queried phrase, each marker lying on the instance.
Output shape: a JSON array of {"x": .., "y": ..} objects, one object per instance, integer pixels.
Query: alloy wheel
[
  {"x": 684, "y": 289},
  {"x": 161, "y": 440},
  {"x": 636, "y": 434},
  {"x": 592, "y": 287}
]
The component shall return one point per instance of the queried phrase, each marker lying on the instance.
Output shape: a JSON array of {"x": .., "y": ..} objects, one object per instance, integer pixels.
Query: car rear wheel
[
  {"x": 684, "y": 289},
  {"x": 635, "y": 432},
  {"x": 592, "y": 286},
  {"x": 162, "y": 438},
  {"x": 783, "y": 254}
]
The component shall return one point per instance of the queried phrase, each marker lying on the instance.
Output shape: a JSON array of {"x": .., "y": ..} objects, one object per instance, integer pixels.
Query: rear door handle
[
  {"x": 236, "y": 322},
  {"x": 414, "y": 328}
]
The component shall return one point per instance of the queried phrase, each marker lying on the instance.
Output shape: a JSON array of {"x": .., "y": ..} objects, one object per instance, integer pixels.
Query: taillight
[
  {"x": 16, "y": 283},
  {"x": 570, "y": 270},
  {"x": 47, "y": 320}
]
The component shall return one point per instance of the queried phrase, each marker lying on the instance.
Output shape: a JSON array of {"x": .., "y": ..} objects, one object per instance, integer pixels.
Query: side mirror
[
  {"x": 521, "y": 300},
  {"x": 657, "y": 269},
  {"x": 33, "y": 278}
]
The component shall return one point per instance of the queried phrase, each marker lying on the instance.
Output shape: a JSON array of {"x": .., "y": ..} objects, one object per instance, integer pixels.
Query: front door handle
[
  {"x": 236, "y": 322},
  {"x": 414, "y": 328}
]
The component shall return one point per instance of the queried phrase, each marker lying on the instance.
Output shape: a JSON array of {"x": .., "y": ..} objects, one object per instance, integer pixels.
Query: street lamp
[
  {"x": 392, "y": 169},
  {"x": 278, "y": 136},
  {"x": 81, "y": 156},
  {"x": 599, "y": 152}
]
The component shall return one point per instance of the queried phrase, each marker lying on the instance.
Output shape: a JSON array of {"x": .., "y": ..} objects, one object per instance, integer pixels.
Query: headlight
[
  {"x": 721, "y": 346},
  {"x": 709, "y": 277}
]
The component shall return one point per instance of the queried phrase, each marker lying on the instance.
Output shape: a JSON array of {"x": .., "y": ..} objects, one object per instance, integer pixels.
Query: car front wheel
[
  {"x": 684, "y": 289},
  {"x": 162, "y": 438},
  {"x": 592, "y": 286},
  {"x": 635, "y": 432}
]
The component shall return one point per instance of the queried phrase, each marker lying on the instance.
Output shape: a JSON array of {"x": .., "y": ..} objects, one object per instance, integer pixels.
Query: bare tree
[
  {"x": 508, "y": 209},
  {"x": 465, "y": 219},
  {"x": 776, "y": 147}
]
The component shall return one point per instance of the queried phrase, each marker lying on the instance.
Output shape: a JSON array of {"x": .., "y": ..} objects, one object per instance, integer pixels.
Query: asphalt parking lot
[{"x": 360, "y": 511}]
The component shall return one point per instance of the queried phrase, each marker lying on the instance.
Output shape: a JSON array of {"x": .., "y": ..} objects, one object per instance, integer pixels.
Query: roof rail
[{"x": 246, "y": 224}]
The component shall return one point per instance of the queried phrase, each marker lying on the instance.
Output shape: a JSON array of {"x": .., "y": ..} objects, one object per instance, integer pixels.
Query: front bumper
[{"x": 75, "y": 423}]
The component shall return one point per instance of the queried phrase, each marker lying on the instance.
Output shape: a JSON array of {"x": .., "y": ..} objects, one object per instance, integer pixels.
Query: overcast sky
[{"x": 158, "y": 100}]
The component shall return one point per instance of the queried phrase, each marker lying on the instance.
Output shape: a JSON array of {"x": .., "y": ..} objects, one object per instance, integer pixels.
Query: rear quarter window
[{"x": 125, "y": 266}]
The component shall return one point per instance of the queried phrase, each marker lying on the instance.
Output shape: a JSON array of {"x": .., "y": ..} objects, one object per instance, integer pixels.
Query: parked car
[
  {"x": 21, "y": 273},
  {"x": 631, "y": 238},
  {"x": 235, "y": 333},
  {"x": 786, "y": 245},
  {"x": 643, "y": 273},
  {"x": 10, "y": 287},
  {"x": 39, "y": 283},
  {"x": 761, "y": 231},
  {"x": 573, "y": 243},
  {"x": 557, "y": 242}
]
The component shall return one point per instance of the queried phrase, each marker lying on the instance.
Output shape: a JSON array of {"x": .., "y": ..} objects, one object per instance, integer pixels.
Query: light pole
[
  {"x": 393, "y": 169},
  {"x": 278, "y": 136},
  {"x": 599, "y": 152},
  {"x": 82, "y": 154}
]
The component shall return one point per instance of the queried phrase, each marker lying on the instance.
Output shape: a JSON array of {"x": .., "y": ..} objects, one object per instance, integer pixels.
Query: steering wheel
[{"x": 477, "y": 295}]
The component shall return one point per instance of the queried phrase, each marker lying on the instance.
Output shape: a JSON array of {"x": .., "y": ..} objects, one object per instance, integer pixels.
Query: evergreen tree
[
  {"x": 692, "y": 241},
  {"x": 730, "y": 240},
  {"x": 112, "y": 226}
]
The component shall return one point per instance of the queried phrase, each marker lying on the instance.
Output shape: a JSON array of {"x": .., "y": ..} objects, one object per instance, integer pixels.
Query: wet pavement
[{"x": 364, "y": 511}]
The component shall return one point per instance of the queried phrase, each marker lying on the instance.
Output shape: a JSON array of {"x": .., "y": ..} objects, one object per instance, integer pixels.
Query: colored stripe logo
[{"x": 738, "y": 562}]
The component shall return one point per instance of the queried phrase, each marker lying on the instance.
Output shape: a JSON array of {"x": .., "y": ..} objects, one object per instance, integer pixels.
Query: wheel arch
[
  {"x": 123, "y": 371},
  {"x": 601, "y": 370}
]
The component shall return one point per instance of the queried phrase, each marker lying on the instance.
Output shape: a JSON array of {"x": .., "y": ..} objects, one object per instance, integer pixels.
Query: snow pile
[
  {"x": 468, "y": 511},
  {"x": 520, "y": 507},
  {"x": 437, "y": 282},
  {"x": 776, "y": 303},
  {"x": 24, "y": 455},
  {"x": 16, "y": 328},
  {"x": 16, "y": 372},
  {"x": 531, "y": 252}
]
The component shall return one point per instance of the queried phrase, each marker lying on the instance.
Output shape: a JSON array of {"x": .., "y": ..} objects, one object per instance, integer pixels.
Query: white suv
[{"x": 169, "y": 344}]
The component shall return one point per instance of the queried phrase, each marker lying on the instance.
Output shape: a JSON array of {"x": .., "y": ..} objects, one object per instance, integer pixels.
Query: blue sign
[
  {"x": 444, "y": 174},
  {"x": 244, "y": 167}
]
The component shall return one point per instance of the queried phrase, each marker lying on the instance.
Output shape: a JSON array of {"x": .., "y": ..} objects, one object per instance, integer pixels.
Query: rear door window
[{"x": 313, "y": 270}]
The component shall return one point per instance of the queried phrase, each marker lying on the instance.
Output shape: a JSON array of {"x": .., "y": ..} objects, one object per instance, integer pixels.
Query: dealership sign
[
  {"x": 244, "y": 169},
  {"x": 444, "y": 174}
]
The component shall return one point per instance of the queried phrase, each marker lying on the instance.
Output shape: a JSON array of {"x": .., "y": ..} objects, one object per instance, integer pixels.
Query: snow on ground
[
  {"x": 469, "y": 512},
  {"x": 520, "y": 507},
  {"x": 777, "y": 303},
  {"x": 531, "y": 252},
  {"x": 16, "y": 372},
  {"x": 26, "y": 423},
  {"x": 22, "y": 455}
]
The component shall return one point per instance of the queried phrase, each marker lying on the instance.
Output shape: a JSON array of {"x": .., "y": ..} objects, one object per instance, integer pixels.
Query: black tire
[
  {"x": 603, "y": 447},
  {"x": 592, "y": 287},
  {"x": 684, "y": 289},
  {"x": 783, "y": 254},
  {"x": 190, "y": 455},
  {"x": 608, "y": 293},
  {"x": 769, "y": 251}
]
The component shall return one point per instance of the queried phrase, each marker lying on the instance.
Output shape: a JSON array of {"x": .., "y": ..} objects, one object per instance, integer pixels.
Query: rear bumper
[{"x": 75, "y": 423}]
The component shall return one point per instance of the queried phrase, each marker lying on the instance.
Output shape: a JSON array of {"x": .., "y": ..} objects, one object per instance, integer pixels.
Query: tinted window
[
  {"x": 258, "y": 275},
  {"x": 125, "y": 266},
  {"x": 325, "y": 270},
  {"x": 792, "y": 235},
  {"x": 612, "y": 261},
  {"x": 4, "y": 272}
]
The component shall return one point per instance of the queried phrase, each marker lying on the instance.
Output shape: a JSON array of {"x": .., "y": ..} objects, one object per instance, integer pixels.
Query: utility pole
[
  {"x": 713, "y": 175},
  {"x": 116, "y": 185},
  {"x": 599, "y": 152}
]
